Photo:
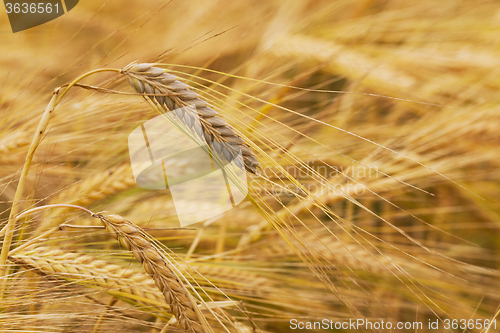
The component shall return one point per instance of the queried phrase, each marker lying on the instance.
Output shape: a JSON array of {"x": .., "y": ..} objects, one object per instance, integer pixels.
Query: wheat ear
[
  {"x": 169, "y": 94},
  {"x": 87, "y": 270},
  {"x": 159, "y": 267}
]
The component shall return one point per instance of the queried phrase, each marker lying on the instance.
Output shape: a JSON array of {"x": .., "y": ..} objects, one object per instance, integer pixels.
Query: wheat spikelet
[
  {"x": 100, "y": 186},
  {"x": 88, "y": 270},
  {"x": 125, "y": 283},
  {"x": 170, "y": 94},
  {"x": 159, "y": 268}
]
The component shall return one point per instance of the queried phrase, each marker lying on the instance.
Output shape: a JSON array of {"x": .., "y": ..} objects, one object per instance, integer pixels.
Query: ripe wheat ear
[
  {"x": 167, "y": 93},
  {"x": 90, "y": 271},
  {"x": 159, "y": 267}
]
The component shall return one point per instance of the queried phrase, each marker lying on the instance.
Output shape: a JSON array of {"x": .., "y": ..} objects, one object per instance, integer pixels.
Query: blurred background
[{"x": 407, "y": 89}]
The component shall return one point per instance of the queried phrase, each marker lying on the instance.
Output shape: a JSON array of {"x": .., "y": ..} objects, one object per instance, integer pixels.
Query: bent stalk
[{"x": 40, "y": 131}]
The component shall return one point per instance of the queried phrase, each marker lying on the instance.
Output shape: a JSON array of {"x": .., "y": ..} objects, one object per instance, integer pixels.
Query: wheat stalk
[
  {"x": 169, "y": 94},
  {"x": 159, "y": 267},
  {"x": 57, "y": 95}
]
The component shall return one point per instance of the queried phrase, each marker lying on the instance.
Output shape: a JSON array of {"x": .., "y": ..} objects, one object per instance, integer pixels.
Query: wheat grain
[
  {"x": 100, "y": 186},
  {"x": 169, "y": 94},
  {"x": 125, "y": 283},
  {"x": 159, "y": 267}
]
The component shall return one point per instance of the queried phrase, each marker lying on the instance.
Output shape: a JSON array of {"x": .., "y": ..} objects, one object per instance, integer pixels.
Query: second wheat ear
[
  {"x": 183, "y": 305},
  {"x": 168, "y": 94}
]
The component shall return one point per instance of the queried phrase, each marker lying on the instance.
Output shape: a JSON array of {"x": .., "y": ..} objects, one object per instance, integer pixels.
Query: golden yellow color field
[{"x": 373, "y": 208}]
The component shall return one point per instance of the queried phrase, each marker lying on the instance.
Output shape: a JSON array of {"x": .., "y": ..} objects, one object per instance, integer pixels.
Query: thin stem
[
  {"x": 75, "y": 81},
  {"x": 50, "y": 231},
  {"x": 37, "y": 209},
  {"x": 87, "y": 227},
  {"x": 40, "y": 131},
  {"x": 195, "y": 242},
  {"x": 9, "y": 228}
]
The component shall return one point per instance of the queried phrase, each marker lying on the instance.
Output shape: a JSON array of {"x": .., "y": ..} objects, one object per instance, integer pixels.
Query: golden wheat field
[{"x": 357, "y": 144}]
